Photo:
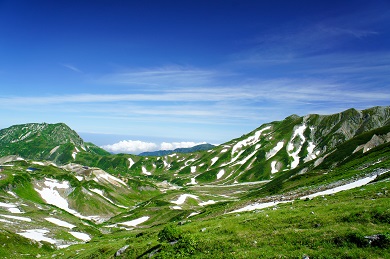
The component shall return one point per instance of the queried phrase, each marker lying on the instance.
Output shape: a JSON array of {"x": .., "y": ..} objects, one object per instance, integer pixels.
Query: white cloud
[
  {"x": 130, "y": 146},
  {"x": 137, "y": 146}
]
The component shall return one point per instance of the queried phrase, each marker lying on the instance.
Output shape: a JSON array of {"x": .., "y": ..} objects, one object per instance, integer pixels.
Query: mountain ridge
[
  {"x": 200, "y": 147},
  {"x": 214, "y": 197}
]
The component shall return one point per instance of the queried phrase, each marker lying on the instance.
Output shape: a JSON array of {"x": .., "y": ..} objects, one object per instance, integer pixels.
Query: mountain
[
  {"x": 200, "y": 147},
  {"x": 316, "y": 186},
  {"x": 42, "y": 141},
  {"x": 267, "y": 151}
]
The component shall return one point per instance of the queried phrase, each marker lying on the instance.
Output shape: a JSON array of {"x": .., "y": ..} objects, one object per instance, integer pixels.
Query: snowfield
[
  {"x": 81, "y": 236},
  {"x": 344, "y": 187},
  {"x": 135, "y": 222},
  {"x": 220, "y": 173},
  {"x": 275, "y": 150},
  {"x": 310, "y": 155},
  {"x": 53, "y": 197},
  {"x": 16, "y": 217},
  {"x": 144, "y": 171},
  {"x": 13, "y": 208},
  {"x": 250, "y": 140},
  {"x": 60, "y": 223},
  {"x": 257, "y": 206},
  {"x": 100, "y": 174},
  {"x": 182, "y": 198},
  {"x": 193, "y": 181},
  {"x": 100, "y": 193},
  {"x": 213, "y": 160},
  {"x": 38, "y": 235},
  {"x": 290, "y": 147},
  {"x": 131, "y": 162}
]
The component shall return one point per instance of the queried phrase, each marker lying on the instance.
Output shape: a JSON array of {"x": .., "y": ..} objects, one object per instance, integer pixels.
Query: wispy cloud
[
  {"x": 71, "y": 67},
  {"x": 166, "y": 76}
]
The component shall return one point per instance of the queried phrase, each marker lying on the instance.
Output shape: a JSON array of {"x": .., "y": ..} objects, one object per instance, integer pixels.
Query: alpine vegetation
[{"x": 315, "y": 186}]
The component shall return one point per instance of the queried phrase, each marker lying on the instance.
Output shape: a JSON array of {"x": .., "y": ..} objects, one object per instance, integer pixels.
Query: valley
[{"x": 316, "y": 185}]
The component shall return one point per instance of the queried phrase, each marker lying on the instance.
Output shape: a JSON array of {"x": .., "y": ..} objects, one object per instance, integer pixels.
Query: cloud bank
[{"x": 137, "y": 146}]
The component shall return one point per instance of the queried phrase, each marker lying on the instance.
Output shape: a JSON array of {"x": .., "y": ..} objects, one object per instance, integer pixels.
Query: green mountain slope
[
  {"x": 267, "y": 151},
  {"x": 262, "y": 195},
  {"x": 41, "y": 141}
]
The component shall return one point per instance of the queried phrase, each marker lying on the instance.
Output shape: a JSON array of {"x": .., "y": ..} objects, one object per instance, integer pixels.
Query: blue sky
[{"x": 150, "y": 74}]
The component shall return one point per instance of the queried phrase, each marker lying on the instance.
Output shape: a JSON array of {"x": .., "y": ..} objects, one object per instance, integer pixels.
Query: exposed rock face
[
  {"x": 121, "y": 251},
  {"x": 374, "y": 142}
]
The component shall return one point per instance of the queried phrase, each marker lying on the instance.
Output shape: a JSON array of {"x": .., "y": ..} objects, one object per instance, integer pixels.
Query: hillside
[
  {"x": 42, "y": 141},
  {"x": 316, "y": 185}
]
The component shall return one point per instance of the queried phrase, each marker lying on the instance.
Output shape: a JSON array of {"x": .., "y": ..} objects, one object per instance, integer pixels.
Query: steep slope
[
  {"x": 268, "y": 150},
  {"x": 42, "y": 141}
]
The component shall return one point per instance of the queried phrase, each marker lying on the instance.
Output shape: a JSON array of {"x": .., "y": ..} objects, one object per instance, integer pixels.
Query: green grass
[{"x": 321, "y": 228}]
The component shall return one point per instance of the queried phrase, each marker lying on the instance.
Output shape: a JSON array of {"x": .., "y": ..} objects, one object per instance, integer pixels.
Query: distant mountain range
[
  {"x": 200, "y": 147},
  {"x": 61, "y": 191}
]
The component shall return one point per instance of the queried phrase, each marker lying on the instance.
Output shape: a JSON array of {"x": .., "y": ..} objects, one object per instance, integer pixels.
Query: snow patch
[
  {"x": 188, "y": 161},
  {"x": 250, "y": 140},
  {"x": 275, "y": 150},
  {"x": 206, "y": 203},
  {"x": 17, "y": 218},
  {"x": 80, "y": 178},
  {"x": 257, "y": 206},
  {"x": 234, "y": 158},
  {"x": 37, "y": 163},
  {"x": 298, "y": 132},
  {"x": 12, "y": 193},
  {"x": 100, "y": 192},
  {"x": 38, "y": 235},
  {"x": 193, "y": 214},
  {"x": 220, "y": 173},
  {"x": 213, "y": 160},
  {"x": 135, "y": 222},
  {"x": 193, "y": 181},
  {"x": 345, "y": 187},
  {"x": 13, "y": 208},
  {"x": 131, "y": 162},
  {"x": 182, "y": 198},
  {"x": 165, "y": 163},
  {"x": 100, "y": 174},
  {"x": 310, "y": 155},
  {"x": 247, "y": 158},
  {"x": 81, "y": 236},
  {"x": 348, "y": 186},
  {"x": 60, "y": 223},
  {"x": 53, "y": 150},
  {"x": 144, "y": 171},
  {"x": 53, "y": 197}
]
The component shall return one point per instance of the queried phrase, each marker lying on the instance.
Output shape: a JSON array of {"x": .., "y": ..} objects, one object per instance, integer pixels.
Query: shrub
[{"x": 169, "y": 234}]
